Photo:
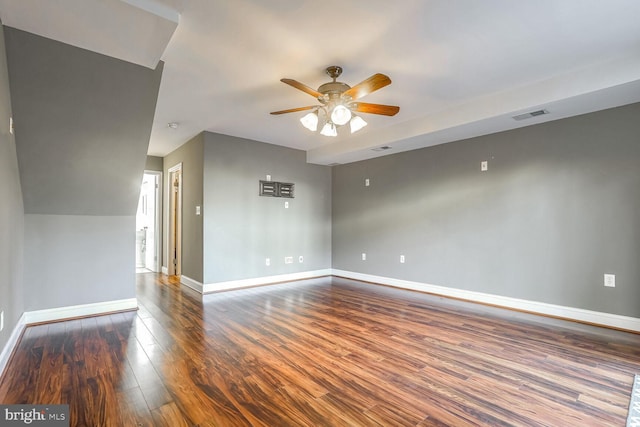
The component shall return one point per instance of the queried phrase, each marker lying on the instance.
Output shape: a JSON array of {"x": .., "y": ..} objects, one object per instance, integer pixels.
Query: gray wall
[
  {"x": 190, "y": 155},
  {"x": 78, "y": 259},
  {"x": 558, "y": 208},
  {"x": 83, "y": 123},
  {"x": 241, "y": 229},
  {"x": 11, "y": 214},
  {"x": 153, "y": 163}
]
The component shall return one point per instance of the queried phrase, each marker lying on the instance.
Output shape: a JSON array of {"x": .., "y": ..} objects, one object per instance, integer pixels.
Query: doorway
[
  {"x": 148, "y": 223},
  {"x": 174, "y": 258}
]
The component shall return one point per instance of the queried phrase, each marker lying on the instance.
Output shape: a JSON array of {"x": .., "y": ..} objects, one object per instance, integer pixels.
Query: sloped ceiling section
[
  {"x": 136, "y": 31},
  {"x": 83, "y": 122}
]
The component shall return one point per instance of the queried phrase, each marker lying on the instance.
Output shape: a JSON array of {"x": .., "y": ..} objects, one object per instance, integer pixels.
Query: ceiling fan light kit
[
  {"x": 329, "y": 129},
  {"x": 337, "y": 103},
  {"x": 310, "y": 121},
  {"x": 357, "y": 123},
  {"x": 340, "y": 115}
]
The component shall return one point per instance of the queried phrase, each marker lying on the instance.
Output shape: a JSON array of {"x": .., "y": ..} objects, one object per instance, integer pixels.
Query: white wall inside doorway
[{"x": 148, "y": 223}]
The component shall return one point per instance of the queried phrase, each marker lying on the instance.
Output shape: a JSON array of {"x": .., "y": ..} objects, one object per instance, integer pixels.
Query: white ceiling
[{"x": 460, "y": 68}]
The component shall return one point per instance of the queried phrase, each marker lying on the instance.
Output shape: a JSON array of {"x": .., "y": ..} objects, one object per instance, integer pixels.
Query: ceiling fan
[{"x": 339, "y": 102}]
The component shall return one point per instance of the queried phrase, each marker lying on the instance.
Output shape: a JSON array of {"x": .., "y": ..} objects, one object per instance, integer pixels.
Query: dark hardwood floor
[{"x": 325, "y": 352}]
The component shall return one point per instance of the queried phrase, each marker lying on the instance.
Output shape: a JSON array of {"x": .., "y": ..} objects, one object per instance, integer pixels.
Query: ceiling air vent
[
  {"x": 530, "y": 114},
  {"x": 383, "y": 148}
]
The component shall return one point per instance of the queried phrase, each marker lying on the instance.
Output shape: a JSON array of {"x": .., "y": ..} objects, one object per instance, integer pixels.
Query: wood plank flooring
[{"x": 325, "y": 352}]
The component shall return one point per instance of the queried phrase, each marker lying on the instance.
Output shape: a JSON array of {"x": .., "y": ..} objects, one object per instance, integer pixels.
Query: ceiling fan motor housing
[{"x": 332, "y": 88}]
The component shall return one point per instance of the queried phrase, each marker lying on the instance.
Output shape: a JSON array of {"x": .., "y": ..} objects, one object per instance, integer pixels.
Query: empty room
[{"x": 297, "y": 213}]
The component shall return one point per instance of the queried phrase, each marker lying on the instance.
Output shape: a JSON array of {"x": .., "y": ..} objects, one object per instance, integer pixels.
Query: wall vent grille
[
  {"x": 276, "y": 189},
  {"x": 530, "y": 114}
]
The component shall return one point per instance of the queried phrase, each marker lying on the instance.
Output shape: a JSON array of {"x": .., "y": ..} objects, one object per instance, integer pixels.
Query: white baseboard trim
[
  {"x": 164, "y": 270},
  {"x": 191, "y": 283},
  {"x": 569, "y": 313},
  {"x": 70, "y": 312},
  {"x": 7, "y": 351},
  {"x": 260, "y": 281}
]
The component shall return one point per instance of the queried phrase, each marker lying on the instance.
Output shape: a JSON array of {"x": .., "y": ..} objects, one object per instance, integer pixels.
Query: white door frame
[
  {"x": 157, "y": 220},
  {"x": 174, "y": 235}
]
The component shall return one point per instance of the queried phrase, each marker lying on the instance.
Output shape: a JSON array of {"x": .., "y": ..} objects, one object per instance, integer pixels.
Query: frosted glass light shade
[
  {"x": 329, "y": 129},
  {"x": 340, "y": 115},
  {"x": 310, "y": 121},
  {"x": 357, "y": 123}
]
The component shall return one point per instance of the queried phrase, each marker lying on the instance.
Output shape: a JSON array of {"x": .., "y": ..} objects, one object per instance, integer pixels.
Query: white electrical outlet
[
  {"x": 267, "y": 262},
  {"x": 366, "y": 182},
  {"x": 610, "y": 280},
  {"x": 288, "y": 260},
  {"x": 364, "y": 256},
  {"x": 401, "y": 259},
  {"x": 1, "y": 320},
  {"x": 484, "y": 166},
  {"x": 300, "y": 259}
]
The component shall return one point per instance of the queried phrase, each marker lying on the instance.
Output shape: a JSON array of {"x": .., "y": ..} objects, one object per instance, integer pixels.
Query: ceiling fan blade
[
  {"x": 385, "y": 110},
  {"x": 373, "y": 83},
  {"x": 302, "y": 87},
  {"x": 293, "y": 110}
]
